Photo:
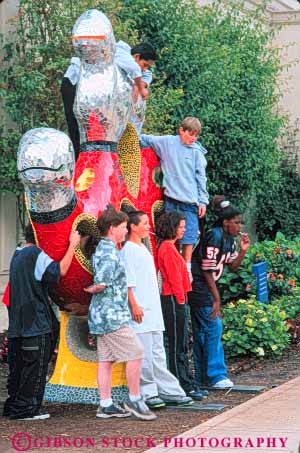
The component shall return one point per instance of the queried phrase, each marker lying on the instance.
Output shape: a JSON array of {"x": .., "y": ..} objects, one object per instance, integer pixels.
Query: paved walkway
[{"x": 267, "y": 423}]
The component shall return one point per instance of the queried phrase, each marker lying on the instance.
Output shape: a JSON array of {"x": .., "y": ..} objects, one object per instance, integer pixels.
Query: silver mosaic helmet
[
  {"x": 103, "y": 99},
  {"x": 45, "y": 164},
  {"x": 93, "y": 38}
]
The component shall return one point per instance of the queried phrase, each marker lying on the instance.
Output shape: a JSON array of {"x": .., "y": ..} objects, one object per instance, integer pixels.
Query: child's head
[
  {"x": 144, "y": 55},
  {"x": 189, "y": 130},
  {"x": 170, "y": 225},
  {"x": 229, "y": 217},
  {"x": 113, "y": 224},
  {"x": 138, "y": 224}
]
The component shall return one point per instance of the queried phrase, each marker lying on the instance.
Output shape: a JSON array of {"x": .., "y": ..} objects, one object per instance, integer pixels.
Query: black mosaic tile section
[
  {"x": 56, "y": 393},
  {"x": 55, "y": 216},
  {"x": 109, "y": 147}
]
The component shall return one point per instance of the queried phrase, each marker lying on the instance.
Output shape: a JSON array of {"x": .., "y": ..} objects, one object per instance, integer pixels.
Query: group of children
[{"x": 129, "y": 316}]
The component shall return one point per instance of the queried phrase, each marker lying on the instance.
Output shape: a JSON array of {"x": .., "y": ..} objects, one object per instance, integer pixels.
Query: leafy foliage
[
  {"x": 283, "y": 259},
  {"x": 36, "y": 55},
  {"x": 253, "y": 328},
  {"x": 213, "y": 64},
  {"x": 227, "y": 72},
  {"x": 248, "y": 323},
  {"x": 278, "y": 208}
]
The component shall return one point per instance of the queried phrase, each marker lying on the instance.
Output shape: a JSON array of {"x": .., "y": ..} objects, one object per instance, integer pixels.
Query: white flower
[{"x": 260, "y": 351}]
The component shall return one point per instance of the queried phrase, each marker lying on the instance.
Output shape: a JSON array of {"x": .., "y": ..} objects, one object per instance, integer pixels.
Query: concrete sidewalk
[{"x": 267, "y": 423}]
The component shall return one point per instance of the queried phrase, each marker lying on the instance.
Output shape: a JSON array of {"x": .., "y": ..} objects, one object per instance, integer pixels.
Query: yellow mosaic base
[
  {"x": 130, "y": 159},
  {"x": 71, "y": 371}
]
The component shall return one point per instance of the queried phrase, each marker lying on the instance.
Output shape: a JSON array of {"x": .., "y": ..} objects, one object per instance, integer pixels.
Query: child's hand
[
  {"x": 74, "y": 238},
  {"x": 144, "y": 93},
  {"x": 93, "y": 289},
  {"x": 201, "y": 211},
  {"x": 244, "y": 242},
  {"x": 137, "y": 313},
  {"x": 216, "y": 310}
]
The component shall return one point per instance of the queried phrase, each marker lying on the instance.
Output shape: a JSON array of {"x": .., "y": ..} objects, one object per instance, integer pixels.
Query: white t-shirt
[{"x": 141, "y": 277}]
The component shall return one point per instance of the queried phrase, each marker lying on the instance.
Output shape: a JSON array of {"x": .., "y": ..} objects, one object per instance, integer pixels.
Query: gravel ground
[{"x": 74, "y": 428}]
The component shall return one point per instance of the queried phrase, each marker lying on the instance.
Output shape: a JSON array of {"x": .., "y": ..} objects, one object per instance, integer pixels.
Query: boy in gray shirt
[{"x": 183, "y": 164}]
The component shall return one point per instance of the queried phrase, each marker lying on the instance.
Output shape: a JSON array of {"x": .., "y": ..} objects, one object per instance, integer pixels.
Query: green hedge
[{"x": 253, "y": 328}]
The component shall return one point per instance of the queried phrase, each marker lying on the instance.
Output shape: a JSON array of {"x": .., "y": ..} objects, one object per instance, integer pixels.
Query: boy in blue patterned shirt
[{"x": 109, "y": 319}]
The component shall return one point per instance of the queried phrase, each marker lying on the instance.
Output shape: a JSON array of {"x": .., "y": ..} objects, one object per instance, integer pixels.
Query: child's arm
[
  {"x": 136, "y": 311},
  {"x": 93, "y": 289},
  {"x": 141, "y": 87},
  {"x": 216, "y": 308},
  {"x": 200, "y": 175},
  {"x": 244, "y": 245},
  {"x": 168, "y": 262},
  {"x": 147, "y": 77},
  {"x": 129, "y": 260},
  {"x": 104, "y": 263},
  {"x": 156, "y": 142}
]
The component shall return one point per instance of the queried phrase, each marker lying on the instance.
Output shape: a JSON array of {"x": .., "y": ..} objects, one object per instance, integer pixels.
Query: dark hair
[
  {"x": 146, "y": 51},
  {"x": 167, "y": 224},
  {"x": 110, "y": 217},
  {"x": 134, "y": 218},
  {"x": 224, "y": 209},
  {"x": 29, "y": 234}
]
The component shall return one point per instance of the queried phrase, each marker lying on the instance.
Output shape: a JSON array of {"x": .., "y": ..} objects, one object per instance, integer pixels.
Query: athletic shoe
[
  {"x": 196, "y": 394},
  {"x": 205, "y": 393},
  {"x": 155, "y": 402},
  {"x": 42, "y": 414},
  {"x": 223, "y": 384},
  {"x": 178, "y": 400},
  {"x": 114, "y": 410},
  {"x": 139, "y": 409}
]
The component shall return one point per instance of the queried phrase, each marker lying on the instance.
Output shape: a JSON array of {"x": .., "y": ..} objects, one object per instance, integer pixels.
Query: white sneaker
[{"x": 223, "y": 384}]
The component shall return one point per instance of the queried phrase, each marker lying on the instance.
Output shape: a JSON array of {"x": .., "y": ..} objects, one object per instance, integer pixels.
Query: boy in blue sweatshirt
[{"x": 183, "y": 165}]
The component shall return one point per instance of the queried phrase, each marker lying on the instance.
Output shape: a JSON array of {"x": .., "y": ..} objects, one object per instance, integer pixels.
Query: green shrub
[
  {"x": 283, "y": 260},
  {"x": 213, "y": 63},
  {"x": 289, "y": 304},
  {"x": 277, "y": 206},
  {"x": 222, "y": 61},
  {"x": 253, "y": 328}
]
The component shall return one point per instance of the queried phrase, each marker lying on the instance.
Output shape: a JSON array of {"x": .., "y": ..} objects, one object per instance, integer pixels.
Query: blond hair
[{"x": 192, "y": 124}]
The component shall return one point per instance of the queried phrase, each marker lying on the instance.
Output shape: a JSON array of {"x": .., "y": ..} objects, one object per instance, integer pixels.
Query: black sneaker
[
  {"x": 155, "y": 402},
  {"x": 114, "y": 410},
  {"x": 42, "y": 414},
  {"x": 139, "y": 409},
  {"x": 178, "y": 400},
  {"x": 196, "y": 394}
]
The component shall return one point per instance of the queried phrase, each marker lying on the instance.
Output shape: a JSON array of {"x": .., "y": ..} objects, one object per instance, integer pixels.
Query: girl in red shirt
[{"x": 175, "y": 286}]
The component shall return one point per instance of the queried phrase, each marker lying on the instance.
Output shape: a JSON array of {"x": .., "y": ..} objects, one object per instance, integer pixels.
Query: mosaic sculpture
[{"x": 62, "y": 194}]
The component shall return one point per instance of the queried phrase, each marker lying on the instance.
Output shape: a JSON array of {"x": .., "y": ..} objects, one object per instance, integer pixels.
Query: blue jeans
[
  {"x": 208, "y": 352},
  {"x": 190, "y": 212}
]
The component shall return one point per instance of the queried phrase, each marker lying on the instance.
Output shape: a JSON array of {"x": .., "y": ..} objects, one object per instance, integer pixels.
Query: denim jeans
[
  {"x": 190, "y": 212},
  {"x": 208, "y": 352}
]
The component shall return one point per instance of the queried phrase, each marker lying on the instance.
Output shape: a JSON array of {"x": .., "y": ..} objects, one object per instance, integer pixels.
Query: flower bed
[{"x": 253, "y": 328}]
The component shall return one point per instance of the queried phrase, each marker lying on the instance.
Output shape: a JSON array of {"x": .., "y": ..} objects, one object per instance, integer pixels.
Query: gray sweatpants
[{"x": 156, "y": 379}]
